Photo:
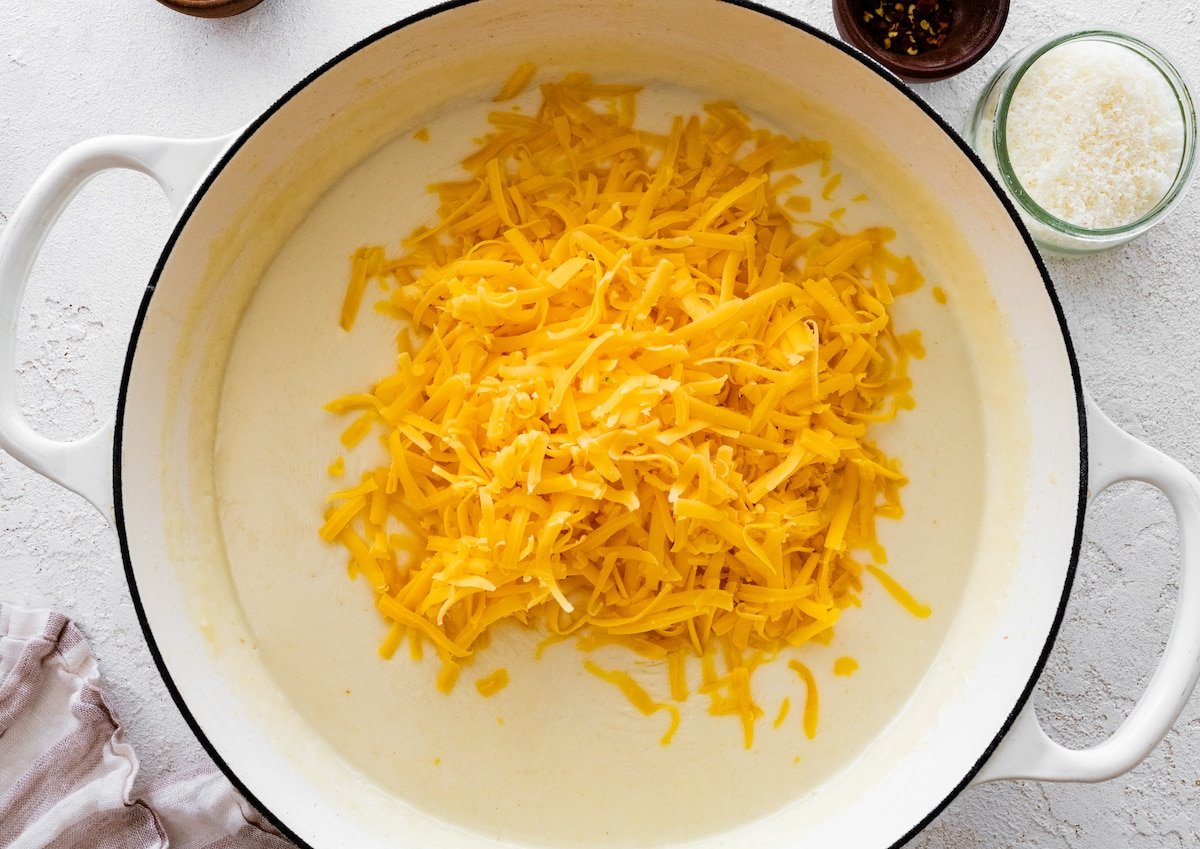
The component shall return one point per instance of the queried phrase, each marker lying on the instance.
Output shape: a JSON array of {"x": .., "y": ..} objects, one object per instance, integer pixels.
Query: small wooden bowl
[
  {"x": 210, "y": 8},
  {"x": 974, "y": 28}
]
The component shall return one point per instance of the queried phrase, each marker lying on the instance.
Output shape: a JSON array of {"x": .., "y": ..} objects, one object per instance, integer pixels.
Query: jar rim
[{"x": 1179, "y": 89}]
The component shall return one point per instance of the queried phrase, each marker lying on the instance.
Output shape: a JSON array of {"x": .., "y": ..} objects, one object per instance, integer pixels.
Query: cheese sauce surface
[{"x": 557, "y": 755}]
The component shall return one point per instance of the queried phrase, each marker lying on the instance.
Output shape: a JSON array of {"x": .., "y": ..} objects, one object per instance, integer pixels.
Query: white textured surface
[{"x": 70, "y": 71}]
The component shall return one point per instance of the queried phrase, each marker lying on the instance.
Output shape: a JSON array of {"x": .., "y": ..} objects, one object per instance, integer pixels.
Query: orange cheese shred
[
  {"x": 811, "y": 700},
  {"x": 516, "y": 82},
  {"x": 916, "y": 608},
  {"x": 631, "y": 400},
  {"x": 845, "y": 666},
  {"x": 784, "y": 707},
  {"x": 490, "y": 685},
  {"x": 637, "y": 696},
  {"x": 448, "y": 676}
]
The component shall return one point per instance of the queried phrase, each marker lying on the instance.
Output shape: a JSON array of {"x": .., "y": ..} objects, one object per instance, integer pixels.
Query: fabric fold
[{"x": 66, "y": 773}]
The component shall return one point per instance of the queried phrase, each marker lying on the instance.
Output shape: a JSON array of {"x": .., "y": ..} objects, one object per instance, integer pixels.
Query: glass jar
[{"x": 987, "y": 133}]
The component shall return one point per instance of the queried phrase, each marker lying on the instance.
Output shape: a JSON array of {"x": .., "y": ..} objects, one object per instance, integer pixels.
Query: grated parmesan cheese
[
  {"x": 1095, "y": 134},
  {"x": 634, "y": 402}
]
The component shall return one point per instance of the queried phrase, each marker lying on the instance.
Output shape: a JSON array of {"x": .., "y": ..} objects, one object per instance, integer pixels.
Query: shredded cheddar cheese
[
  {"x": 631, "y": 400},
  {"x": 448, "y": 676},
  {"x": 845, "y": 666},
  {"x": 490, "y": 685},
  {"x": 784, "y": 707},
  {"x": 364, "y": 265},
  {"x": 811, "y": 700},
  {"x": 637, "y": 696},
  {"x": 916, "y": 608},
  {"x": 516, "y": 83}
]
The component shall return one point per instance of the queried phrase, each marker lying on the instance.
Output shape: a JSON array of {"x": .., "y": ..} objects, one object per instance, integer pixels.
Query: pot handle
[
  {"x": 1026, "y": 751},
  {"x": 177, "y": 165}
]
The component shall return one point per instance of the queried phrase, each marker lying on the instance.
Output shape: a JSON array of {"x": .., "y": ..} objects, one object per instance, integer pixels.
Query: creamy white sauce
[{"x": 558, "y": 754}]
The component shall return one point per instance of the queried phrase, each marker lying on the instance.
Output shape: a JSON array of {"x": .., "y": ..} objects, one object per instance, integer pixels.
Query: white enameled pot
[{"x": 237, "y": 197}]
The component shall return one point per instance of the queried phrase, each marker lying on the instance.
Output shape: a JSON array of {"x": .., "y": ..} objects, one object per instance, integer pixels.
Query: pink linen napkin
[{"x": 66, "y": 773}]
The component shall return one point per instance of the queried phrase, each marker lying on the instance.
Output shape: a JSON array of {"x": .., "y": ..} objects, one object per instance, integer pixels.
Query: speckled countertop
[{"x": 70, "y": 71}]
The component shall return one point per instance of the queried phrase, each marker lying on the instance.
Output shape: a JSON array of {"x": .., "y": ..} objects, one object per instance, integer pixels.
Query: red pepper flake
[{"x": 907, "y": 28}]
